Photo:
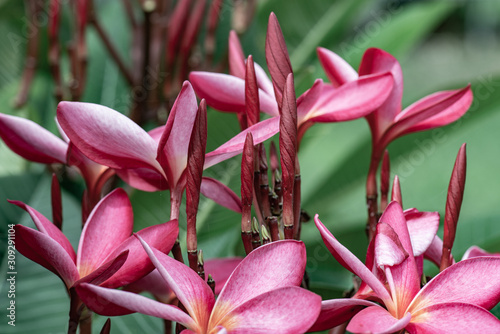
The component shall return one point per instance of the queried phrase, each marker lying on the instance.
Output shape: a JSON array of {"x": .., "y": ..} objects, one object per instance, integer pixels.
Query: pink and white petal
[
  {"x": 378, "y": 61},
  {"x": 105, "y": 271},
  {"x": 31, "y": 141},
  {"x": 405, "y": 275},
  {"x": 221, "y": 270},
  {"x": 106, "y": 136},
  {"x": 47, "y": 252},
  {"x": 388, "y": 248},
  {"x": 309, "y": 98},
  {"x": 285, "y": 310},
  {"x": 220, "y": 194},
  {"x": 190, "y": 289},
  {"x": 422, "y": 227},
  {"x": 111, "y": 302},
  {"x": 472, "y": 281},
  {"x": 475, "y": 251},
  {"x": 47, "y": 228},
  {"x": 376, "y": 319},
  {"x": 161, "y": 236},
  {"x": 109, "y": 224},
  {"x": 144, "y": 179},
  {"x": 269, "y": 267},
  {"x": 454, "y": 318},
  {"x": 353, "y": 100},
  {"x": 227, "y": 93},
  {"x": 265, "y": 84},
  {"x": 154, "y": 284},
  {"x": 351, "y": 262},
  {"x": 174, "y": 143},
  {"x": 260, "y": 132},
  {"x": 337, "y": 311},
  {"x": 337, "y": 70},
  {"x": 426, "y": 115},
  {"x": 156, "y": 133},
  {"x": 236, "y": 56}
]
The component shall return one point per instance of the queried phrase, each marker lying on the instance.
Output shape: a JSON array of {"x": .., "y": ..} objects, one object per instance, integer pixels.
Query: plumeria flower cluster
[{"x": 266, "y": 291}]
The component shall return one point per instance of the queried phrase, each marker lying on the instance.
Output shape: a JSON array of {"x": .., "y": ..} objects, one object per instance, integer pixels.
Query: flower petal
[
  {"x": 353, "y": 100},
  {"x": 337, "y": 311},
  {"x": 111, "y": 302},
  {"x": 285, "y": 310},
  {"x": 144, "y": 179},
  {"x": 454, "y": 318},
  {"x": 227, "y": 93},
  {"x": 337, "y": 70},
  {"x": 475, "y": 251},
  {"x": 155, "y": 284},
  {"x": 220, "y": 194},
  {"x": 190, "y": 289},
  {"x": 435, "y": 250},
  {"x": 106, "y": 136},
  {"x": 31, "y": 141},
  {"x": 47, "y": 228},
  {"x": 376, "y": 319},
  {"x": 272, "y": 266},
  {"x": 174, "y": 143},
  {"x": 388, "y": 248},
  {"x": 47, "y": 252},
  {"x": 351, "y": 262},
  {"x": 422, "y": 227},
  {"x": 236, "y": 56},
  {"x": 260, "y": 132},
  {"x": 472, "y": 281},
  {"x": 161, "y": 236},
  {"x": 109, "y": 224},
  {"x": 105, "y": 271},
  {"x": 221, "y": 270}
]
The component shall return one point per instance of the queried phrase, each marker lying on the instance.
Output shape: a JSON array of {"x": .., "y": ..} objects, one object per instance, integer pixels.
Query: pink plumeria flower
[
  {"x": 148, "y": 161},
  {"x": 455, "y": 301},
  {"x": 260, "y": 296},
  {"x": 105, "y": 241},
  {"x": 322, "y": 103}
]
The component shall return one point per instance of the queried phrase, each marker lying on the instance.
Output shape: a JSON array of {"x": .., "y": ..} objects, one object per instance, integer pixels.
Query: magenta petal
[
  {"x": 161, "y": 236},
  {"x": 106, "y": 270},
  {"x": 155, "y": 284},
  {"x": 220, "y": 194},
  {"x": 351, "y": 262},
  {"x": 31, "y": 141},
  {"x": 106, "y": 136},
  {"x": 47, "y": 228},
  {"x": 47, "y": 252},
  {"x": 453, "y": 318},
  {"x": 285, "y": 310},
  {"x": 260, "y": 132},
  {"x": 335, "y": 312},
  {"x": 221, "y": 270},
  {"x": 236, "y": 56},
  {"x": 376, "y": 319},
  {"x": 227, "y": 93},
  {"x": 388, "y": 248},
  {"x": 144, "y": 179},
  {"x": 352, "y": 100},
  {"x": 279, "y": 264},
  {"x": 472, "y": 281},
  {"x": 112, "y": 302},
  {"x": 475, "y": 251},
  {"x": 422, "y": 227},
  {"x": 337, "y": 69},
  {"x": 174, "y": 143},
  {"x": 109, "y": 224}
]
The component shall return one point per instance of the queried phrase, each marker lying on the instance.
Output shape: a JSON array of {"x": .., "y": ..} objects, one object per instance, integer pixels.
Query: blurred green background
[{"x": 440, "y": 45}]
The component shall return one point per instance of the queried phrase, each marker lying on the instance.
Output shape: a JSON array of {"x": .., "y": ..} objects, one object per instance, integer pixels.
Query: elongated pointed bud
[
  {"x": 247, "y": 184},
  {"x": 278, "y": 61},
  {"x": 196, "y": 160},
  {"x": 385, "y": 175},
  {"x": 288, "y": 150},
  {"x": 106, "y": 329},
  {"x": 453, "y": 205},
  {"x": 56, "y": 200},
  {"x": 252, "y": 105},
  {"x": 236, "y": 56},
  {"x": 396, "y": 191}
]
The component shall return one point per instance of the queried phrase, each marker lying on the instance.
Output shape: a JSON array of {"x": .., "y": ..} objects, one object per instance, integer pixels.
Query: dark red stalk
[
  {"x": 255, "y": 234},
  {"x": 396, "y": 191},
  {"x": 296, "y": 204},
  {"x": 453, "y": 205},
  {"x": 371, "y": 194},
  {"x": 196, "y": 159},
  {"x": 273, "y": 160},
  {"x": 263, "y": 183},
  {"x": 176, "y": 28},
  {"x": 247, "y": 185},
  {"x": 385, "y": 174},
  {"x": 277, "y": 58},
  {"x": 272, "y": 222},
  {"x": 288, "y": 150},
  {"x": 54, "y": 48},
  {"x": 56, "y": 201},
  {"x": 212, "y": 22},
  {"x": 252, "y": 105}
]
